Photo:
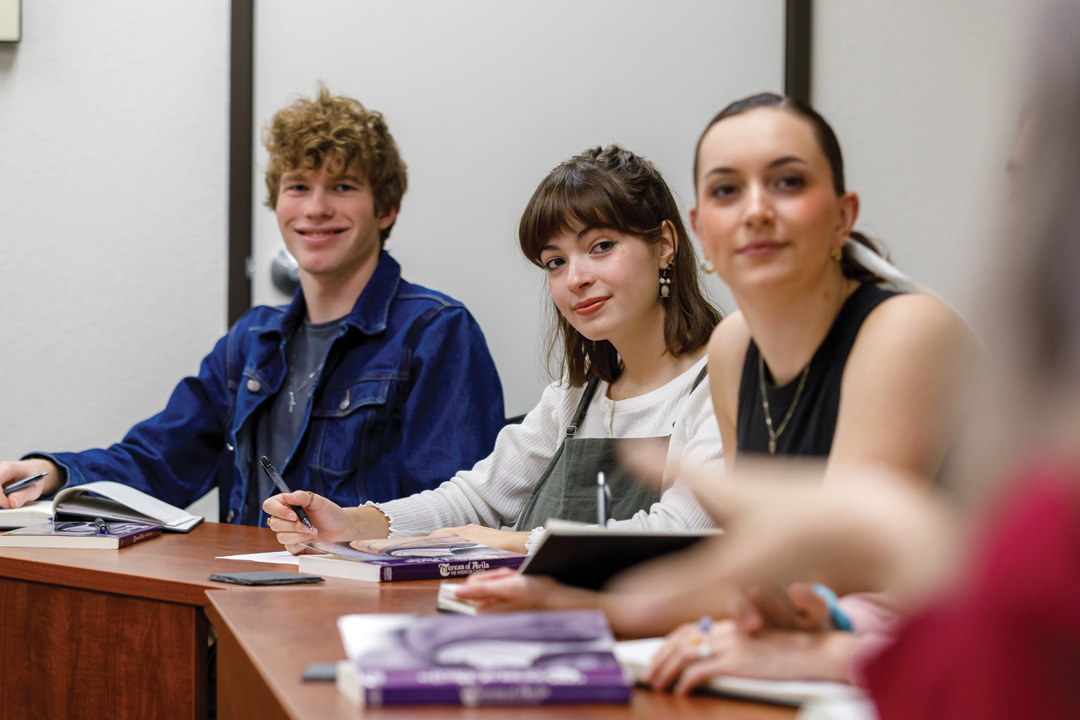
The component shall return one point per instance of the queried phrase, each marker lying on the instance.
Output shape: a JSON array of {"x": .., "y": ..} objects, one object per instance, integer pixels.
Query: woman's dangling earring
[
  {"x": 665, "y": 281},
  {"x": 706, "y": 265},
  {"x": 837, "y": 254}
]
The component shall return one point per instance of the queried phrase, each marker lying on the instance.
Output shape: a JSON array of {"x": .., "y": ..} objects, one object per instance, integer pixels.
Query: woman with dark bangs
[{"x": 632, "y": 323}]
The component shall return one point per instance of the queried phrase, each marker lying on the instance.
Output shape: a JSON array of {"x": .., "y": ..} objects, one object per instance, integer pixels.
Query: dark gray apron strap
[
  {"x": 529, "y": 510},
  {"x": 582, "y": 407},
  {"x": 700, "y": 376}
]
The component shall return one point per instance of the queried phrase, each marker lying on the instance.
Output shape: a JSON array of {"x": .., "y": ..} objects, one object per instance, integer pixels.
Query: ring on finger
[
  {"x": 704, "y": 651},
  {"x": 701, "y": 631}
]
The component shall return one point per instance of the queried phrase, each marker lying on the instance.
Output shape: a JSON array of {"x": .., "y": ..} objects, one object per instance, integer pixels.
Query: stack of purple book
[
  {"x": 423, "y": 558},
  {"x": 524, "y": 658}
]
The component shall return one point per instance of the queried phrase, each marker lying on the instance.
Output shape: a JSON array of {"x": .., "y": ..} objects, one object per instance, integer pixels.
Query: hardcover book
[
  {"x": 523, "y": 658},
  {"x": 422, "y": 558},
  {"x": 80, "y": 534},
  {"x": 588, "y": 556}
]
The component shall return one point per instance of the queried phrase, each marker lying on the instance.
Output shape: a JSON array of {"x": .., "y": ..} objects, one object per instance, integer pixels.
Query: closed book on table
[
  {"x": 423, "y": 558},
  {"x": 521, "y": 658},
  {"x": 588, "y": 556},
  {"x": 79, "y": 534}
]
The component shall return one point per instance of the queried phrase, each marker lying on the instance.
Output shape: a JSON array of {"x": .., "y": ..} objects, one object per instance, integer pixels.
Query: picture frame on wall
[{"x": 10, "y": 21}]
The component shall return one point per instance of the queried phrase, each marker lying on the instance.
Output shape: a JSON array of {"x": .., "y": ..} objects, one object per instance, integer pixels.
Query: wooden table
[
  {"x": 266, "y": 639},
  {"x": 115, "y": 634}
]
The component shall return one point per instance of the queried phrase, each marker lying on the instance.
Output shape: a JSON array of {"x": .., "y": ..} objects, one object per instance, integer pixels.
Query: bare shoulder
[
  {"x": 913, "y": 322},
  {"x": 727, "y": 352},
  {"x": 913, "y": 335},
  {"x": 727, "y": 346},
  {"x": 904, "y": 385}
]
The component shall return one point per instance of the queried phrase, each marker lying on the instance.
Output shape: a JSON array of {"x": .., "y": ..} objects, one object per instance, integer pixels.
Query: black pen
[
  {"x": 273, "y": 473},
  {"x": 25, "y": 482}
]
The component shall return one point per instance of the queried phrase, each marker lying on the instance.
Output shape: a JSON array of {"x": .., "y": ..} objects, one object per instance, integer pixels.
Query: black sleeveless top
[{"x": 813, "y": 421}]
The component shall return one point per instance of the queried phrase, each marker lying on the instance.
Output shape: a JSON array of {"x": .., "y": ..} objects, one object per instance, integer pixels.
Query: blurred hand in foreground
[{"x": 865, "y": 529}]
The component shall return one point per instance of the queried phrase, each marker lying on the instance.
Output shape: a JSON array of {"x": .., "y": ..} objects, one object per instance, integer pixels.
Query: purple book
[
  {"x": 423, "y": 558},
  {"x": 93, "y": 534},
  {"x": 522, "y": 658}
]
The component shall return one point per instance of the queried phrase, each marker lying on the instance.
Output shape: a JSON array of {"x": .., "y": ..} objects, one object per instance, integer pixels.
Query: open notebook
[
  {"x": 636, "y": 657},
  {"x": 106, "y": 500}
]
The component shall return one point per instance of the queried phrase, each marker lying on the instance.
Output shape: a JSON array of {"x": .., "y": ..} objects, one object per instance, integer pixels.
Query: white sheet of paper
[{"x": 282, "y": 557}]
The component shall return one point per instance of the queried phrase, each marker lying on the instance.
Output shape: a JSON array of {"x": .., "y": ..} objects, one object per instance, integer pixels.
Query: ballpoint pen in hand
[
  {"x": 276, "y": 478},
  {"x": 25, "y": 482}
]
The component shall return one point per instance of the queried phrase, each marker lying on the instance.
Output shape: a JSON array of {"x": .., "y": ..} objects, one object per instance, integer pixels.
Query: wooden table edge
[{"x": 220, "y": 623}]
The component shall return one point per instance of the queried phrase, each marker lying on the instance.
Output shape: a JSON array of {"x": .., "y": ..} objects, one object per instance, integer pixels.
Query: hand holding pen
[
  {"x": 275, "y": 477},
  {"x": 288, "y": 511},
  {"x": 25, "y": 481}
]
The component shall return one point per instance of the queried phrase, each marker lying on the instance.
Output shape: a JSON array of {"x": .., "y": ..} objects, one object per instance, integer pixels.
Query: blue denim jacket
[{"x": 409, "y": 395}]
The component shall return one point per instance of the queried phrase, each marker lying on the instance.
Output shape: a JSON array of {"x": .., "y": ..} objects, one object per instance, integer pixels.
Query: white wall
[
  {"x": 484, "y": 97},
  {"x": 113, "y": 177},
  {"x": 923, "y": 95},
  {"x": 113, "y": 171}
]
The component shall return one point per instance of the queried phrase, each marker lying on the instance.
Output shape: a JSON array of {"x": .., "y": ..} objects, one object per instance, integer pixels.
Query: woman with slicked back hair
[
  {"x": 819, "y": 362},
  {"x": 631, "y": 328},
  {"x": 819, "y": 359},
  {"x": 990, "y": 574}
]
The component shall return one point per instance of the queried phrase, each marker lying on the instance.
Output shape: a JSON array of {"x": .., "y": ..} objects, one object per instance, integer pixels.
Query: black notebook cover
[{"x": 589, "y": 558}]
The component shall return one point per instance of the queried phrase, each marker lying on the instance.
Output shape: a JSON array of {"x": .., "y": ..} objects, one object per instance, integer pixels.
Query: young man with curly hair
[{"x": 365, "y": 388}]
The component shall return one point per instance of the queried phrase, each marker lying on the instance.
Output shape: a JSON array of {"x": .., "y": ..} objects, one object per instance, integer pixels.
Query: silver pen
[{"x": 603, "y": 500}]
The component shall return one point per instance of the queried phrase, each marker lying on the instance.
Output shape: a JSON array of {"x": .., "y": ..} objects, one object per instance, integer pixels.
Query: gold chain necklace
[{"x": 775, "y": 435}]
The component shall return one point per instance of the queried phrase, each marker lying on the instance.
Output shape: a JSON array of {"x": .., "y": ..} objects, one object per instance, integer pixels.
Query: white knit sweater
[{"x": 495, "y": 490}]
